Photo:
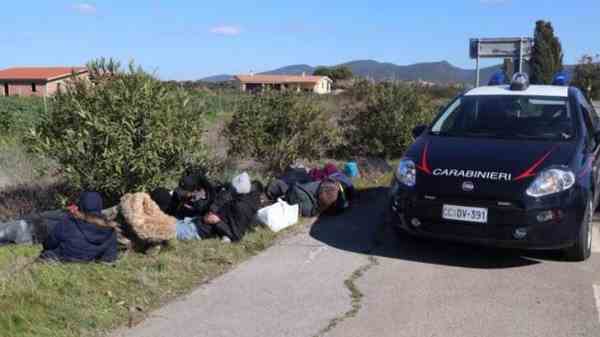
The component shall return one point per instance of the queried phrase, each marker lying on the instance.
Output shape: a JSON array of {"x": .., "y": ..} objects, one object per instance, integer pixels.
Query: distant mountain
[
  {"x": 218, "y": 78},
  {"x": 296, "y": 69},
  {"x": 438, "y": 72}
]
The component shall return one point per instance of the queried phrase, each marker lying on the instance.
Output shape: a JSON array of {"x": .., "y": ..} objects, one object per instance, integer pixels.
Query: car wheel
[{"x": 582, "y": 249}]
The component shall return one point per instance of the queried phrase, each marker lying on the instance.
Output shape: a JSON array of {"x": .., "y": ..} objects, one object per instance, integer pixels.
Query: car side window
[
  {"x": 591, "y": 123},
  {"x": 590, "y": 113}
]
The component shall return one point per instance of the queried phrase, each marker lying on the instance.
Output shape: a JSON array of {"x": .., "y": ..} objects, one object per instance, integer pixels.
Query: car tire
[{"x": 582, "y": 249}]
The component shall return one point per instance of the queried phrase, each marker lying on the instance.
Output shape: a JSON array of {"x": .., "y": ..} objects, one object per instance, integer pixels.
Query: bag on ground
[{"x": 278, "y": 216}]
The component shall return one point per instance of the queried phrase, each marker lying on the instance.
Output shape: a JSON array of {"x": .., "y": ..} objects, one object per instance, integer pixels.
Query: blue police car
[{"x": 512, "y": 165}]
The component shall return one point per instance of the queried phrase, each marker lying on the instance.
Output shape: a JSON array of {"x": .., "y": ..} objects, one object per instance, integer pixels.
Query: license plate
[{"x": 468, "y": 214}]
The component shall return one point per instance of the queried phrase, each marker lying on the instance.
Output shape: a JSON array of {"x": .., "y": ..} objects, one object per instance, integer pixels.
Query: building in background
[
  {"x": 36, "y": 81},
  {"x": 260, "y": 83}
]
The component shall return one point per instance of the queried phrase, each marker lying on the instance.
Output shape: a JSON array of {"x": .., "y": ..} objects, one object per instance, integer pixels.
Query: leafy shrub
[
  {"x": 122, "y": 131},
  {"x": 586, "y": 76},
  {"x": 279, "y": 128},
  {"x": 19, "y": 114},
  {"x": 381, "y": 122}
]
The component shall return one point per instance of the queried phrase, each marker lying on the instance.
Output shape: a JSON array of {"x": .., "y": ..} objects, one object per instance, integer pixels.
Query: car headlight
[
  {"x": 406, "y": 173},
  {"x": 551, "y": 181}
]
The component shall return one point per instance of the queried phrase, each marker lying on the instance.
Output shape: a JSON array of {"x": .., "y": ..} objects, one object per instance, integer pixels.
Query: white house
[{"x": 259, "y": 83}]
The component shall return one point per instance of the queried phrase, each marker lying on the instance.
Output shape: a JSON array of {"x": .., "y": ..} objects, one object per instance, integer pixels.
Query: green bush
[
  {"x": 19, "y": 114},
  {"x": 122, "y": 131},
  {"x": 586, "y": 76},
  {"x": 380, "y": 123},
  {"x": 279, "y": 128}
]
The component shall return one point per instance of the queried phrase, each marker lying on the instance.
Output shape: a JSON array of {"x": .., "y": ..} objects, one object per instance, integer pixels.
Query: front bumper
[{"x": 504, "y": 218}]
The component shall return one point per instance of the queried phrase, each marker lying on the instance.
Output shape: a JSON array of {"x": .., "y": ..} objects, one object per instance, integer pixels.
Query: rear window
[{"x": 510, "y": 117}]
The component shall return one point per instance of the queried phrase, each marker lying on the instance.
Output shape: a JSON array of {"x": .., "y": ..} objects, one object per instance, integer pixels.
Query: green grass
[
  {"x": 18, "y": 114},
  {"x": 60, "y": 300},
  {"x": 68, "y": 300}
]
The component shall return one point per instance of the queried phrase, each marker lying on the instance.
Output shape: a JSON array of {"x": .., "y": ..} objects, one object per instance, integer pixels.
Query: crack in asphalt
[
  {"x": 350, "y": 283},
  {"x": 355, "y": 294}
]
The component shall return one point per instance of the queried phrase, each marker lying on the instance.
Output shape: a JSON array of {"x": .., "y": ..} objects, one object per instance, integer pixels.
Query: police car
[{"x": 511, "y": 166}]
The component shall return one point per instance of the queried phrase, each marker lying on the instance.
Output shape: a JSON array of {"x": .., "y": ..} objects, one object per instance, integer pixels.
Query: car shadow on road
[{"x": 362, "y": 229}]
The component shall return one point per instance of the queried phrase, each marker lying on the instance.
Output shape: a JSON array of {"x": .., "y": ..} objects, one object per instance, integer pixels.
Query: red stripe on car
[
  {"x": 424, "y": 166},
  {"x": 530, "y": 172}
]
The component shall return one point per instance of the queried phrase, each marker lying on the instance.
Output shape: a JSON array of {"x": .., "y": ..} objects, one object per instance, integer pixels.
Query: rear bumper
[{"x": 502, "y": 221}]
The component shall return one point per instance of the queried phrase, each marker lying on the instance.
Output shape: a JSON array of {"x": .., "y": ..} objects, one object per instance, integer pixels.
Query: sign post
[{"x": 515, "y": 48}]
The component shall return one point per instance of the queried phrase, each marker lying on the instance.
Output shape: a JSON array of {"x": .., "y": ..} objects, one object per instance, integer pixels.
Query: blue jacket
[{"x": 75, "y": 240}]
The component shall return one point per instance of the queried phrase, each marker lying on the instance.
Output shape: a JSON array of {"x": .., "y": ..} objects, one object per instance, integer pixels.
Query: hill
[{"x": 439, "y": 72}]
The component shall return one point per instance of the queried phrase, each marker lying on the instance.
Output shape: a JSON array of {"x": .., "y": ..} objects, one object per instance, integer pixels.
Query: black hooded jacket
[
  {"x": 237, "y": 211},
  {"x": 183, "y": 206}
]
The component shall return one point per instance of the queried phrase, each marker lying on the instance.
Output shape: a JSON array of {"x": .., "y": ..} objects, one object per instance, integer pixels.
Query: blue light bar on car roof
[
  {"x": 561, "y": 78},
  {"x": 520, "y": 82},
  {"x": 498, "y": 78}
]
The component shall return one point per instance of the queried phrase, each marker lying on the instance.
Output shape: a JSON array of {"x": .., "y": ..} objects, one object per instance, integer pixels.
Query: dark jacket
[
  {"x": 237, "y": 212},
  {"x": 278, "y": 188},
  {"x": 75, "y": 240},
  {"x": 306, "y": 197},
  {"x": 182, "y": 206}
]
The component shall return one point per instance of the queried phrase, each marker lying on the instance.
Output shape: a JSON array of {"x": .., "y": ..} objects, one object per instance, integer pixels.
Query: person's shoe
[{"x": 225, "y": 239}]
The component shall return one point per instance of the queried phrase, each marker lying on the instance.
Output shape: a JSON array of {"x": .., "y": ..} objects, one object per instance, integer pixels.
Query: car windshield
[{"x": 510, "y": 117}]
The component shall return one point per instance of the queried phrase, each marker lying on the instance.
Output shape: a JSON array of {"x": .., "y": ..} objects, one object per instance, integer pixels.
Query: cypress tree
[{"x": 547, "y": 56}]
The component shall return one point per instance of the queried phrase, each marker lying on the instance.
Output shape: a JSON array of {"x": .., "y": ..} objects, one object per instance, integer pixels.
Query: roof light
[
  {"x": 520, "y": 82},
  {"x": 498, "y": 78},
  {"x": 561, "y": 78}
]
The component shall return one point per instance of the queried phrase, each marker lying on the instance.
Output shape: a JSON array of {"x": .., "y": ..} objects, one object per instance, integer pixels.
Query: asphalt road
[{"x": 345, "y": 277}]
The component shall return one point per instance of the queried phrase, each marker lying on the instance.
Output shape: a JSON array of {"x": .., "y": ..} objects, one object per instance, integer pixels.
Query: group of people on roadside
[{"x": 197, "y": 209}]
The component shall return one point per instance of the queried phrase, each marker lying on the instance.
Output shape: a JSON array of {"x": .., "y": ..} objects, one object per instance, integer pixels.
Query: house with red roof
[
  {"x": 36, "y": 81},
  {"x": 259, "y": 83}
]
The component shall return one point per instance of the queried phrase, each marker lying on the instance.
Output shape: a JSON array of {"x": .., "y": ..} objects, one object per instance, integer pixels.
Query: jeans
[
  {"x": 187, "y": 230},
  {"x": 18, "y": 232},
  {"x": 30, "y": 230}
]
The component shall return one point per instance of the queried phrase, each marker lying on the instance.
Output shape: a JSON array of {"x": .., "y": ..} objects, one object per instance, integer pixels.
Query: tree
[
  {"x": 323, "y": 71},
  {"x": 547, "y": 56},
  {"x": 124, "y": 132},
  {"x": 341, "y": 73},
  {"x": 587, "y": 76},
  {"x": 336, "y": 74}
]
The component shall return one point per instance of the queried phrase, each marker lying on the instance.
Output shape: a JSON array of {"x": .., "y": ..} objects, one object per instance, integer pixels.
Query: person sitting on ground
[
  {"x": 193, "y": 196},
  {"x": 83, "y": 236}
]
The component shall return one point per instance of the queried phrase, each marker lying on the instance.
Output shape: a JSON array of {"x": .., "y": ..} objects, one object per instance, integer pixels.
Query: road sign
[
  {"x": 516, "y": 48},
  {"x": 501, "y": 48}
]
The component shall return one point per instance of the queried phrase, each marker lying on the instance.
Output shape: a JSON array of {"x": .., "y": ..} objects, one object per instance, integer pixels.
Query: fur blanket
[{"x": 146, "y": 219}]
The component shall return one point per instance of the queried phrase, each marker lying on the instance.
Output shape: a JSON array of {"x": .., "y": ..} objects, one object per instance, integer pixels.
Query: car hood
[{"x": 497, "y": 168}]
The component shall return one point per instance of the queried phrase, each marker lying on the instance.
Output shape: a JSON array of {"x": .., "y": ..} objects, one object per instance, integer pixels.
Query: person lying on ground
[
  {"x": 83, "y": 236},
  {"x": 193, "y": 195},
  {"x": 313, "y": 198},
  {"x": 330, "y": 171},
  {"x": 231, "y": 214},
  {"x": 35, "y": 228}
]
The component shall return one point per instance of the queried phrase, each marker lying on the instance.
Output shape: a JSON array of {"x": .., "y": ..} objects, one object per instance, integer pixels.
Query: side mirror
[{"x": 418, "y": 130}]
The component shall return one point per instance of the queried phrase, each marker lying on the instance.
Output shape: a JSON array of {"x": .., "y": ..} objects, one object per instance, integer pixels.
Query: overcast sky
[{"x": 189, "y": 39}]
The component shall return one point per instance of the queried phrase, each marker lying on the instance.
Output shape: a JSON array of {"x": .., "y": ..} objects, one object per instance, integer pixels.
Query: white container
[{"x": 278, "y": 216}]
